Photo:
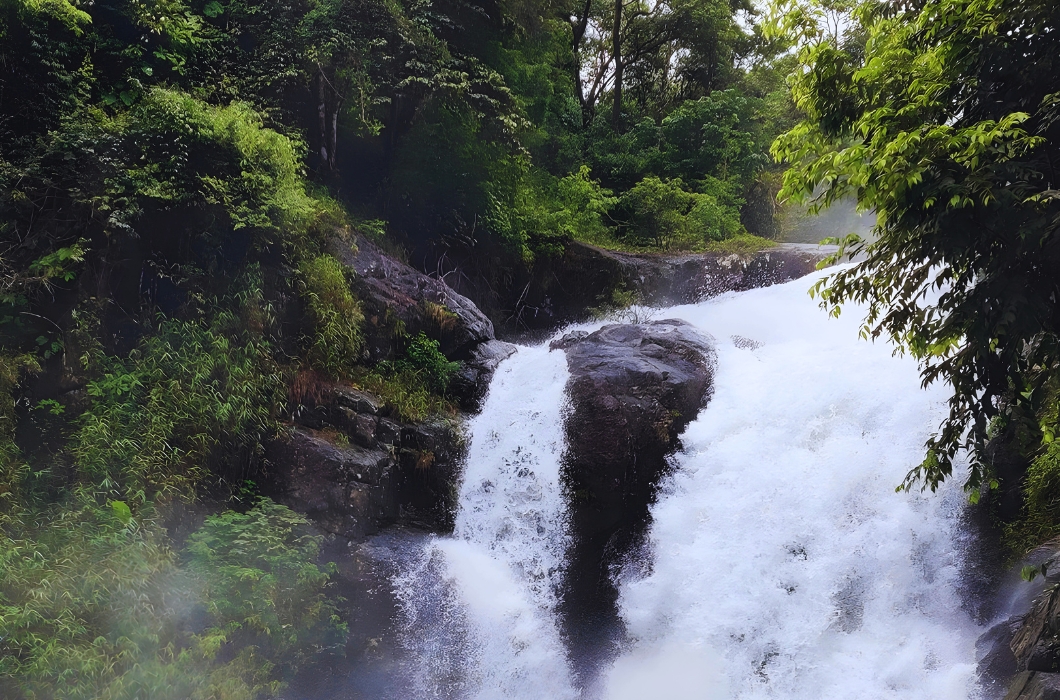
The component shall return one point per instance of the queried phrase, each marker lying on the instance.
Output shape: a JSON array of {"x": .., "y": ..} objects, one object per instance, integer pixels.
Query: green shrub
[
  {"x": 538, "y": 212},
  {"x": 95, "y": 606},
  {"x": 665, "y": 214},
  {"x": 657, "y": 212},
  {"x": 185, "y": 151},
  {"x": 262, "y": 586},
  {"x": 336, "y": 343},
  {"x": 81, "y": 603},
  {"x": 716, "y": 214},
  {"x": 1040, "y": 519},
  {"x": 583, "y": 206},
  {"x": 426, "y": 361},
  {"x": 1033, "y": 435},
  {"x": 188, "y": 394},
  {"x": 403, "y": 392},
  {"x": 415, "y": 385}
]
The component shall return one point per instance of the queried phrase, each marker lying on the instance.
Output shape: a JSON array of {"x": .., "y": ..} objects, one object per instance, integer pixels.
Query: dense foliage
[
  {"x": 104, "y": 609},
  {"x": 941, "y": 117},
  {"x": 173, "y": 174}
]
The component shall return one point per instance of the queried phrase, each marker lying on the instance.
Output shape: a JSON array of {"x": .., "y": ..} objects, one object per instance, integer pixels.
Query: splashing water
[
  {"x": 779, "y": 547},
  {"x": 781, "y": 563},
  {"x": 478, "y": 606}
]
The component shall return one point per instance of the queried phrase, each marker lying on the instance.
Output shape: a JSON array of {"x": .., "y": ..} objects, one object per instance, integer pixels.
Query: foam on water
[
  {"x": 780, "y": 552},
  {"x": 781, "y": 563},
  {"x": 478, "y": 606}
]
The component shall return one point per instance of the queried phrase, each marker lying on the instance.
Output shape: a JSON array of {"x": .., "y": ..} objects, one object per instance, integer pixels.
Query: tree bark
[
  {"x": 616, "y": 39},
  {"x": 333, "y": 142},
  {"x": 579, "y": 24},
  {"x": 322, "y": 113},
  {"x": 328, "y": 103}
]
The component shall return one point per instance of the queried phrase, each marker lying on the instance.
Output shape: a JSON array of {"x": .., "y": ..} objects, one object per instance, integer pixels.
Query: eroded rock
[
  {"x": 1030, "y": 685},
  {"x": 996, "y": 662},
  {"x": 398, "y": 298},
  {"x": 473, "y": 379},
  {"x": 664, "y": 279},
  {"x": 1022, "y": 653},
  {"x": 354, "y": 471},
  {"x": 393, "y": 291},
  {"x": 633, "y": 388},
  {"x": 566, "y": 288}
]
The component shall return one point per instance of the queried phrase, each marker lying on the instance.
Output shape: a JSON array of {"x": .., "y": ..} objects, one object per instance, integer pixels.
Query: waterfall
[
  {"x": 479, "y": 605},
  {"x": 780, "y": 562},
  {"x": 780, "y": 552}
]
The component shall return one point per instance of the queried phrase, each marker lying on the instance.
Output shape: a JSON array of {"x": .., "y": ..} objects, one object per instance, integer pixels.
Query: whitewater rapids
[{"x": 780, "y": 563}]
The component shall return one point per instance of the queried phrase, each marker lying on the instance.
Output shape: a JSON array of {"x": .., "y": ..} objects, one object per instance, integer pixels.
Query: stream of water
[{"x": 781, "y": 563}]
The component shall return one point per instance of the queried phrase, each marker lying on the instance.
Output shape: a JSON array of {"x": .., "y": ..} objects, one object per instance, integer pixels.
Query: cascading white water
[
  {"x": 784, "y": 565},
  {"x": 479, "y": 604},
  {"x": 781, "y": 564}
]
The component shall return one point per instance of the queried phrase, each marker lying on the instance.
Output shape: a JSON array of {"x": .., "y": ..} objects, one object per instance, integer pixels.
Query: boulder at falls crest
[{"x": 633, "y": 388}]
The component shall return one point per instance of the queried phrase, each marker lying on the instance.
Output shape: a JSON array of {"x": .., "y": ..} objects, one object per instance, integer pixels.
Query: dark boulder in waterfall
[
  {"x": 633, "y": 388},
  {"x": 398, "y": 298}
]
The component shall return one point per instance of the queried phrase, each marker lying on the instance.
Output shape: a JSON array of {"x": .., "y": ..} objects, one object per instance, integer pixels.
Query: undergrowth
[
  {"x": 415, "y": 386},
  {"x": 189, "y": 393},
  {"x": 95, "y": 605},
  {"x": 1040, "y": 520},
  {"x": 336, "y": 342}
]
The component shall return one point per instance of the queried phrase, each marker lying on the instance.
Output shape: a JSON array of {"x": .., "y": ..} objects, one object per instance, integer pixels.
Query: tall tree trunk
[
  {"x": 616, "y": 42},
  {"x": 328, "y": 103},
  {"x": 333, "y": 141},
  {"x": 579, "y": 25},
  {"x": 322, "y": 113}
]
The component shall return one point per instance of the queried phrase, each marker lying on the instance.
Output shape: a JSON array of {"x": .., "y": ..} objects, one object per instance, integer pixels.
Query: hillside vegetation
[{"x": 172, "y": 176}]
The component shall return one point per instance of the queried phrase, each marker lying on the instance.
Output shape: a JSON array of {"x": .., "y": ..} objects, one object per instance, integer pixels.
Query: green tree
[
  {"x": 657, "y": 211},
  {"x": 941, "y": 116}
]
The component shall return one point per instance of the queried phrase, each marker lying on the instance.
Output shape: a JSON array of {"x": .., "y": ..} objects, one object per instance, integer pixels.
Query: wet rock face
[
  {"x": 633, "y": 388},
  {"x": 396, "y": 295},
  {"x": 472, "y": 380},
  {"x": 393, "y": 291},
  {"x": 996, "y": 662},
  {"x": 690, "y": 278},
  {"x": 1021, "y": 655},
  {"x": 561, "y": 289},
  {"x": 1029, "y": 685},
  {"x": 353, "y": 470},
  {"x": 1035, "y": 647}
]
